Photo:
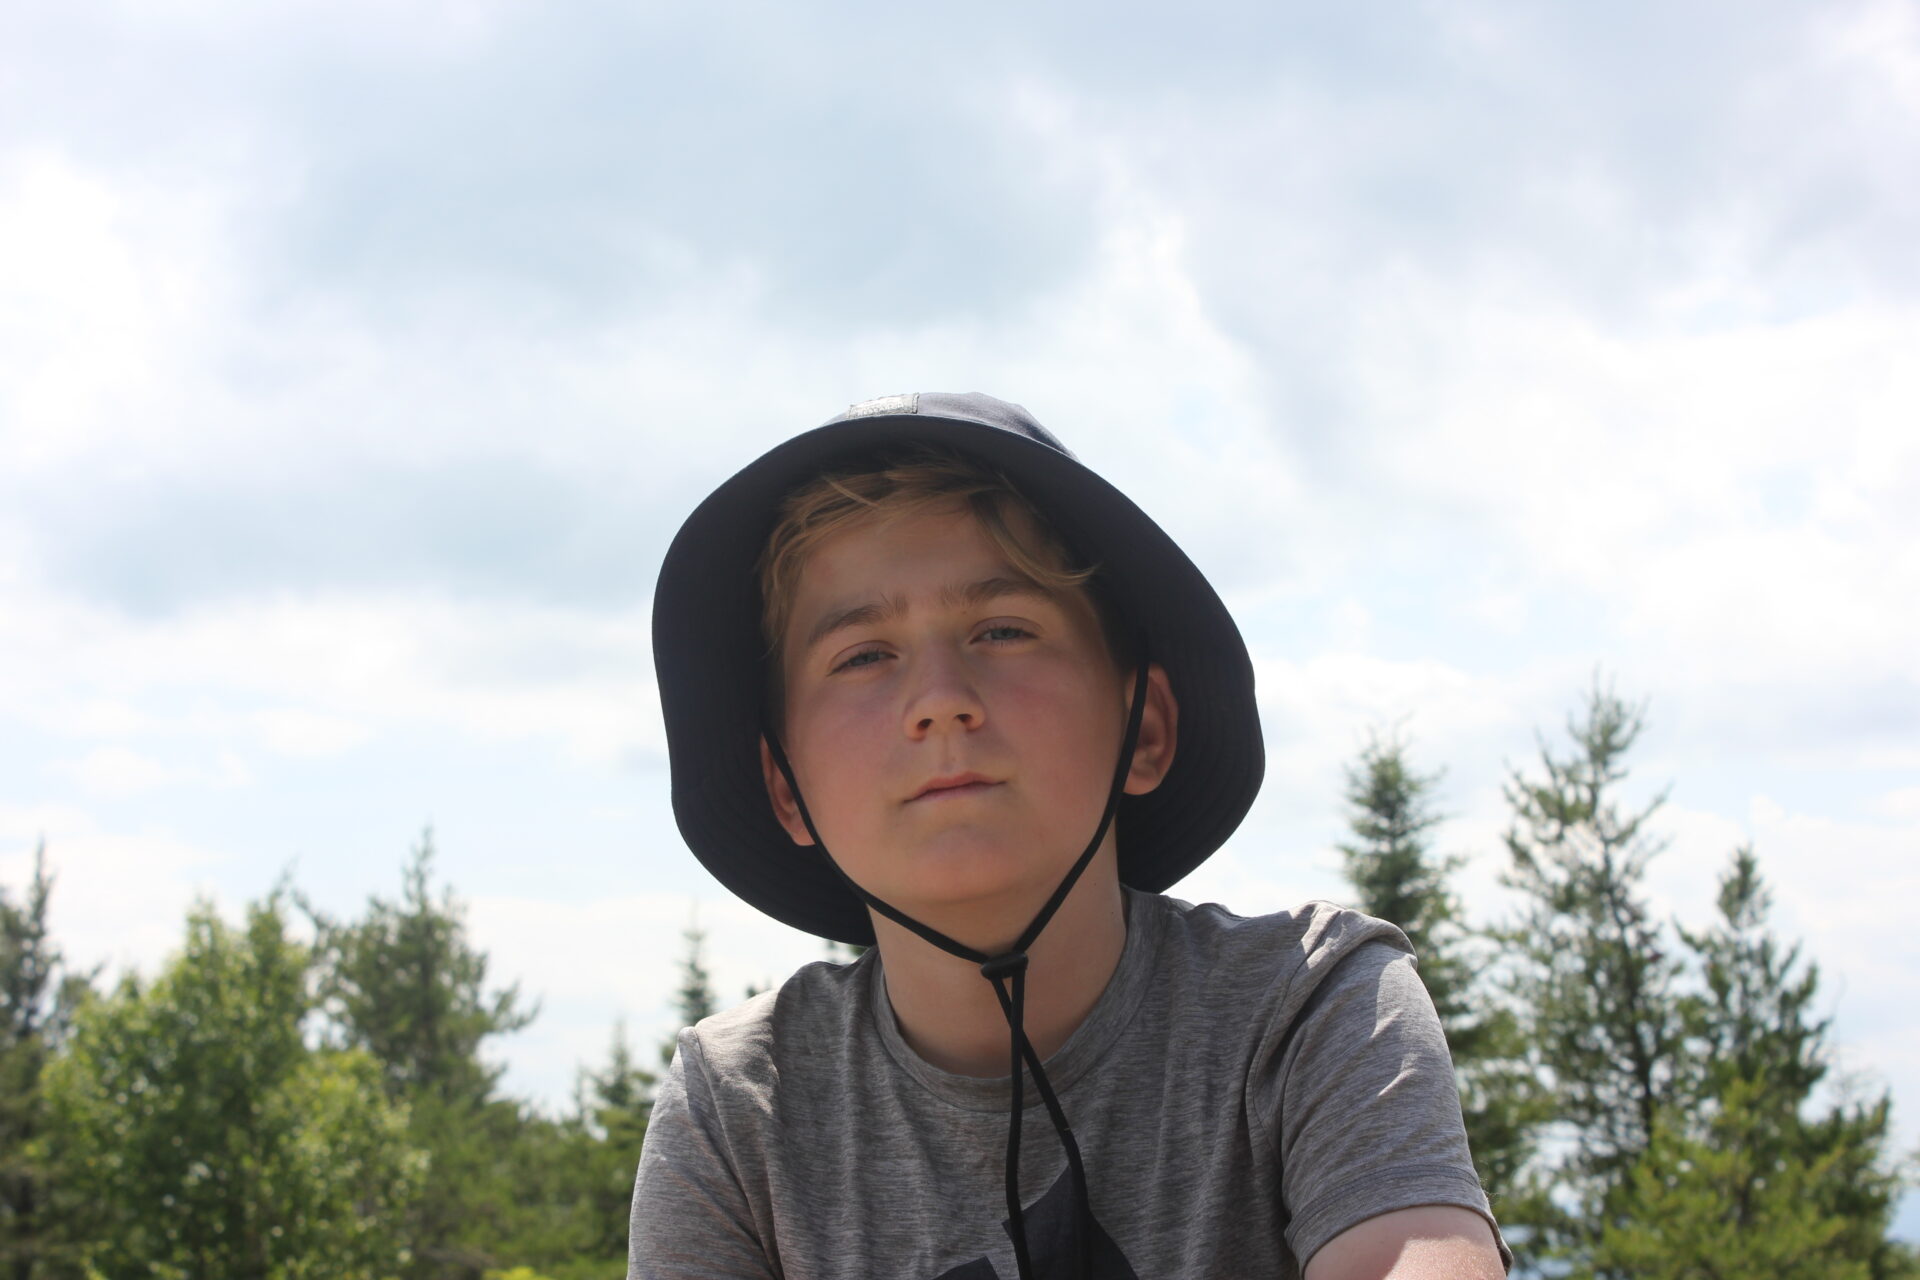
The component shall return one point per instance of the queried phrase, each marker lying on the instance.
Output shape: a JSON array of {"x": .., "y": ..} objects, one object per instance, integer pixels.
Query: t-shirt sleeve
[
  {"x": 1362, "y": 1105},
  {"x": 691, "y": 1217}
]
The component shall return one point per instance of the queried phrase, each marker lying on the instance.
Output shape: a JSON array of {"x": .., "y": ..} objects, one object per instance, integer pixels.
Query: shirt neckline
[{"x": 1084, "y": 1048}]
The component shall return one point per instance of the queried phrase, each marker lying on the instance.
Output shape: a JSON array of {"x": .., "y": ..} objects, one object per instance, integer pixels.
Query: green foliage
[
  {"x": 1393, "y": 869},
  {"x": 560, "y": 1199},
  {"x": 694, "y": 1000},
  {"x": 1739, "y": 1179},
  {"x": 510, "y": 1188},
  {"x": 1642, "y": 1102},
  {"x": 1682, "y": 1081},
  {"x": 614, "y": 1104},
  {"x": 1728, "y": 1200},
  {"x": 38, "y": 996},
  {"x": 1593, "y": 978},
  {"x": 208, "y": 1140},
  {"x": 1397, "y": 877},
  {"x": 1752, "y": 1020},
  {"x": 404, "y": 984}
]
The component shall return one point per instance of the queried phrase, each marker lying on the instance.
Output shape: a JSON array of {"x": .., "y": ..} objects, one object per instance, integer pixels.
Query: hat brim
[{"x": 708, "y": 655}]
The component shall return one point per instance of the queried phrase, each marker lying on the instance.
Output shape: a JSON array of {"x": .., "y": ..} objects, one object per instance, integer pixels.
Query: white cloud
[
  {"x": 1319, "y": 711},
  {"x": 296, "y": 732},
  {"x": 346, "y": 666},
  {"x": 119, "y": 897},
  {"x": 121, "y": 771},
  {"x": 1843, "y": 882},
  {"x": 1881, "y": 39},
  {"x": 107, "y": 288},
  {"x": 118, "y": 771},
  {"x": 1901, "y": 803}
]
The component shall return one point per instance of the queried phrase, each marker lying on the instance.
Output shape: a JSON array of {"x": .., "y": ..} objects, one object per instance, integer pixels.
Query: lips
[{"x": 959, "y": 784}]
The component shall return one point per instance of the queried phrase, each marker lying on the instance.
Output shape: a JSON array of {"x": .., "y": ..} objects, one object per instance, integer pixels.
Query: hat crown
[{"x": 956, "y": 406}]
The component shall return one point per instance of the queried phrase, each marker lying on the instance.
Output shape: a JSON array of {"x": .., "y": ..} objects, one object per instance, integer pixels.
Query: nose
[{"x": 943, "y": 698}]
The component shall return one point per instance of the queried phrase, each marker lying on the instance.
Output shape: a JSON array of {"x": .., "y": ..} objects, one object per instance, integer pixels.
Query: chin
[{"x": 970, "y": 877}]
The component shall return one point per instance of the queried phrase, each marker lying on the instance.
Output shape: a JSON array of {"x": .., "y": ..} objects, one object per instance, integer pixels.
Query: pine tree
[
  {"x": 1708, "y": 1199},
  {"x": 694, "y": 999},
  {"x": 1590, "y": 973},
  {"x": 1738, "y": 1178},
  {"x": 406, "y": 984},
  {"x": 1396, "y": 874},
  {"x": 1397, "y": 877},
  {"x": 618, "y": 1096},
  {"x": 615, "y": 1102},
  {"x": 38, "y": 996},
  {"x": 1754, "y": 1019},
  {"x": 573, "y": 1178}
]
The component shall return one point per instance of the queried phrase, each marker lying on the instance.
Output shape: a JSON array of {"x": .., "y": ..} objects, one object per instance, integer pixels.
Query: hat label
[{"x": 909, "y": 403}]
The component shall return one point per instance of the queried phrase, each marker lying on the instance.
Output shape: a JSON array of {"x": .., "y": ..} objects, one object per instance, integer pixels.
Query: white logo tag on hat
[{"x": 909, "y": 403}]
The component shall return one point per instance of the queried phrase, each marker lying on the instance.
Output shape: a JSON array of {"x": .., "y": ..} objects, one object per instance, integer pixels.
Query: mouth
[{"x": 952, "y": 787}]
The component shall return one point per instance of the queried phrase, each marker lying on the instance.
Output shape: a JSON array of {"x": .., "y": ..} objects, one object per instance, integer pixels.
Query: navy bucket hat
[{"x": 710, "y": 658}]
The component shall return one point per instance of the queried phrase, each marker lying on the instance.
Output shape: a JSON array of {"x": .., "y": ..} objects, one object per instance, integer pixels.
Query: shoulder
[
  {"x": 1231, "y": 989},
  {"x": 1290, "y": 952},
  {"x": 814, "y": 1016}
]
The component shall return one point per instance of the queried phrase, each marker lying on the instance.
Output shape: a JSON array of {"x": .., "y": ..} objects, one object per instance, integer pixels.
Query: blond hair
[{"x": 903, "y": 484}]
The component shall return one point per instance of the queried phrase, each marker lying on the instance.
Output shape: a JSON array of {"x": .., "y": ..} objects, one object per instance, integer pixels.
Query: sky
[{"x": 356, "y": 366}]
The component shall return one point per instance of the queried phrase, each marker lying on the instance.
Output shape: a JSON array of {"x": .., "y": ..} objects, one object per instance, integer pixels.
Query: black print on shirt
[{"x": 1050, "y": 1238}]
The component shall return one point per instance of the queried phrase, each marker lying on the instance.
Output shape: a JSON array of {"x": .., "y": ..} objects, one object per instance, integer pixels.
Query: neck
[{"x": 948, "y": 1013}]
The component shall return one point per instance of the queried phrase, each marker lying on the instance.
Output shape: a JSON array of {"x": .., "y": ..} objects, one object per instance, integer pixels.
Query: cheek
[
  {"x": 1085, "y": 696},
  {"x": 1073, "y": 717},
  {"x": 836, "y": 740}
]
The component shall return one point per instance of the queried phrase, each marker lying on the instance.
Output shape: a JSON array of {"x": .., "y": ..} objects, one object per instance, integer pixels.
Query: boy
[{"x": 932, "y": 685}]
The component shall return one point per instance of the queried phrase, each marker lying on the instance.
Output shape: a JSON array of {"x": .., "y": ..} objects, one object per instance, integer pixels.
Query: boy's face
[{"x": 953, "y": 727}]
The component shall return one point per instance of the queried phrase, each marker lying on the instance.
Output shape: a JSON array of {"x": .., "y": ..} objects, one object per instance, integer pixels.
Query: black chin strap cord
[{"x": 1008, "y": 974}]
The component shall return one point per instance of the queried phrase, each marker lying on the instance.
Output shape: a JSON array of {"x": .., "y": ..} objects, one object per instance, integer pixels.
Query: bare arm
[{"x": 1433, "y": 1242}]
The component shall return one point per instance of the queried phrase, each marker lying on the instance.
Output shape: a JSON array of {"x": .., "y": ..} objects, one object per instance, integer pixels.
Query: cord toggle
[{"x": 1014, "y": 962}]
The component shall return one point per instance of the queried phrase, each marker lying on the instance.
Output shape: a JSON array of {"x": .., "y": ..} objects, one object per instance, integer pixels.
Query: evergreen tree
[
  {"x": 614, "y": 1103},
  {"x": 694, "y": 999},
  {"x": 1397, "y": 877},
  {"x": 545, "y": 1213},
  {"x": 1393, "y": 869},
  {"x": 207, "y": 1140},
  {"x": 38, "y": 996},
  {"x": 1753, "y": 1021},
  {"x": 1738, "y": 1179},
  {"x": 1591, "y": 975},
  {"x": 1707, "y": 1200},
  {"x": 404, "y": 983},
  {"x": 573, "y": 1177}
]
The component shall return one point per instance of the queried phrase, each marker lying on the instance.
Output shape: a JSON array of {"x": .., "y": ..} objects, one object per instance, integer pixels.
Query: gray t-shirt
[{"x": 1243, "y": 1091}]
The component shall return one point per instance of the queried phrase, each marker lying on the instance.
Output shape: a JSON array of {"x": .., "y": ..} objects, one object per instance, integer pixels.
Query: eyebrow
[{"x": 956, "y": 595}]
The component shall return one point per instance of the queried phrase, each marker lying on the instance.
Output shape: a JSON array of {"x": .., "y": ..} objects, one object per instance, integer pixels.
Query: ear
[
  {"x": 1159, "y": 733},
  {"x": 785, "y": 808}
]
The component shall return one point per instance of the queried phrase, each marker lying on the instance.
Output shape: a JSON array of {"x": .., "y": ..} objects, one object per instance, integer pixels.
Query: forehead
[{"x": 923, "y": 550}]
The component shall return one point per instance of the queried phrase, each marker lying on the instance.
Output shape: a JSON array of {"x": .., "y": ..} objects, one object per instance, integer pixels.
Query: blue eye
[
  {"x": 1005, "y": 631},
  {"x": 860, "y": 659}
]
